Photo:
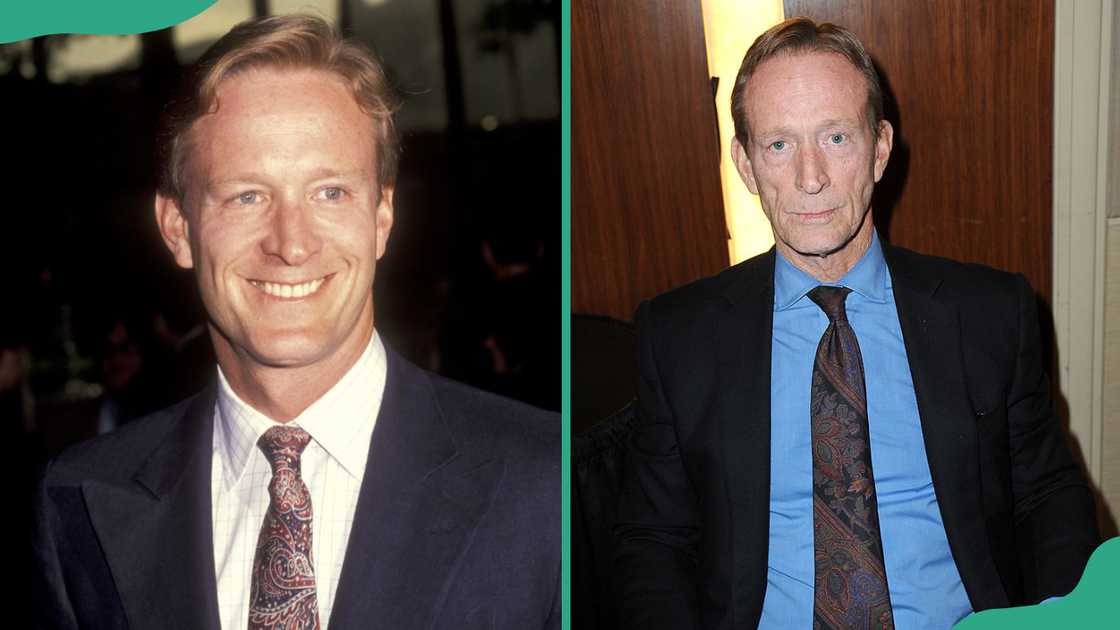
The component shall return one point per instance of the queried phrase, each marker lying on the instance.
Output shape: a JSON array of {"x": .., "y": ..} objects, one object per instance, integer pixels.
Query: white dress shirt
[{"x": 341, "y": 425}]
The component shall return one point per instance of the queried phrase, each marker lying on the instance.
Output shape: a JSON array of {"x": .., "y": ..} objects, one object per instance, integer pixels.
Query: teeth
[{"x": 289, "y": 290}]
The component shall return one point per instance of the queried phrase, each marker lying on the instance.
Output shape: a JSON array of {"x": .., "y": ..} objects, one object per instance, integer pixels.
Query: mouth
[
  {"x": 291, "y": 291},
  {"x": 812, "y": 216}
]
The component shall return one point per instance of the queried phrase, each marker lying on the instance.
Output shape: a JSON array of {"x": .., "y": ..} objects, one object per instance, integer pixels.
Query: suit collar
[
  {"x": 751, "y": 279},
  {"x": 424, "y": 492},
  {"x": 155, "y": 531},
  {"x": 918, "y": 275}
]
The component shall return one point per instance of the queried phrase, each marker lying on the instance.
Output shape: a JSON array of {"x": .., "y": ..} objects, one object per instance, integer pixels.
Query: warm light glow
[
  {"x": 194, "y": 35},
  {"x": 729, "y": 28},
  {"x": 85, "y": 55},
  {"x": 326, "y": 9}
]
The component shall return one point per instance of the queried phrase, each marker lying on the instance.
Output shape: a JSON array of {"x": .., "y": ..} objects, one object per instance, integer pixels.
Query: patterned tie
[
  {"x": 283, "y": 589},
  {"x": 851, "y": 582}
]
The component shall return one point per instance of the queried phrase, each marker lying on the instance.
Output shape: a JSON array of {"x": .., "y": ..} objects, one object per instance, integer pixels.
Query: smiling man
[
  {"x": 321, "y": 479},
  {"x": 840, "y": 433}
]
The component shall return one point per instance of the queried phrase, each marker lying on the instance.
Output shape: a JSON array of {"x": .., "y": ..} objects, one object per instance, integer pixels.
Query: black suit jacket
[
  {"x": 457, "y": 523},
  {"x": 694, "y": 516}
]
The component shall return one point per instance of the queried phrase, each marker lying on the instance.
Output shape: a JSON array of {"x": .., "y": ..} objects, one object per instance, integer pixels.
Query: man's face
[
  {"x": 812, "y": 159},
  {"x": 283, "y": 220}
]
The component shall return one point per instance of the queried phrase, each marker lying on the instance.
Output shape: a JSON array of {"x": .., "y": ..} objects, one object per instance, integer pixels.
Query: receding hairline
[
  {"x": 866, "y": 108},
  {"x": 801, "y": 34},
  {"x": 280, "y": 74}
]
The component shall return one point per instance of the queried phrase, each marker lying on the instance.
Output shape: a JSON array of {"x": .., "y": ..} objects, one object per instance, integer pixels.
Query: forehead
[
  {"x": 269, "y": 114},
  {"x": 264, "y": 93},
  {"x": 800, "y": 88}
]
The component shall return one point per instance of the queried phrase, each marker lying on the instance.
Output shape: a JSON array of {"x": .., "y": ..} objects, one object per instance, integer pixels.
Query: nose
[
  {"x": 812, "y": 175},
  {"x": 291, "y": 236}
]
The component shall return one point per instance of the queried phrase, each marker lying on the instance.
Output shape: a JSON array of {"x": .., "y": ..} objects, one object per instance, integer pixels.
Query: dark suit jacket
[
  {"x": 694, "y": 516},
  {"x": 457, "y": 524}
]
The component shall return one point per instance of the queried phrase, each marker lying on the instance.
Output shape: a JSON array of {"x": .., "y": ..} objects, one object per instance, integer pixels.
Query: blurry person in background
[
  {"x": 125, "y": 382},
  {"x": 320, "y": 479}
]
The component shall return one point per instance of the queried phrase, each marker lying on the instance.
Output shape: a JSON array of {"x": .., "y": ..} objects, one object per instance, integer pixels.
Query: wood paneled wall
[
  {"x": 970, "y": 91},
  {"x": 972, "y": 85},
  {"x": 647, "y": 207}
]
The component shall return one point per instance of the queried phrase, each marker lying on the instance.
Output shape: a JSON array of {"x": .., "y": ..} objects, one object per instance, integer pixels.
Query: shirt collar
[
  {"x": 868, "y": 277},
  {"x": 340, "y": 421}
]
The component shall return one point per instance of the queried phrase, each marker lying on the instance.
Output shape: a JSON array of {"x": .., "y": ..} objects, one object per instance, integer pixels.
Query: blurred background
[{"x": 99, "y": 327}]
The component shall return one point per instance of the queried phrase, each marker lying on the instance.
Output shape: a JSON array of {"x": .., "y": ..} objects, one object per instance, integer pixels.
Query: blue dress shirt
[{"x": 926, "y": 589}]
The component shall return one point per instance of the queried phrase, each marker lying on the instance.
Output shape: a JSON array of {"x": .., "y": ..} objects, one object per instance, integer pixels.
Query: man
[
  {"x": 840, "y": 433},
  {"x": 321, "y": 480}
]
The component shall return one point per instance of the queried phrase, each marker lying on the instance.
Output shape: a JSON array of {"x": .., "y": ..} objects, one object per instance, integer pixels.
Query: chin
[
  {"x": 290, "y": 351},
  {"x": 828, "y": 250},
  {"x": 820, "y": 244},
  {"x": 815, "y": 247}
]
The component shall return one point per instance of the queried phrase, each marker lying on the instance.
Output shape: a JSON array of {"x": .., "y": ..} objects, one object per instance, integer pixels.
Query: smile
[{"x": 290, "y": 291}]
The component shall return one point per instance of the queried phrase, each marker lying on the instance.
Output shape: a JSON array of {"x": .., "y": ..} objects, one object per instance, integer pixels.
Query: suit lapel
[
  {"x": 422, "y": 496},
  {"x": 156, "y": 532},
  {"x": 932, "y": 334},
  {"x": 743, "y": 338}
]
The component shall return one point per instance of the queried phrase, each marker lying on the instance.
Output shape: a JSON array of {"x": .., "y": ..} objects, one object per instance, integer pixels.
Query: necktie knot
[
  {"x": 282, "y": 447},
  {"x": 831, "y": 300}
]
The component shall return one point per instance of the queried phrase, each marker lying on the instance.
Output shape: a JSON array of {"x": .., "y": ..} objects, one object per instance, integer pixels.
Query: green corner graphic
[
  {"x": 21, "y": 19},
  {"x": 1091, "y": 605}
]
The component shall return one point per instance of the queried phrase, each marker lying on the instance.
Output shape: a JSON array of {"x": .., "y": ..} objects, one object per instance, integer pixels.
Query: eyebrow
[
  {"x": 240, "y": 178},
  {"x": 775, "y": 131},
  {"x": 839, "y": 122},
  {"x": 326, "y": 173},
  {"x": 319, "y": 173}
]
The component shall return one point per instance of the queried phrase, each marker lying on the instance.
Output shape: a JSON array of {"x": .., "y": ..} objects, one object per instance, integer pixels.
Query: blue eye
[
  {"x": 778, "y": 146},
  {"x": 332, "y": 193},
  {"x": 836, "y": 138},
  {"x": 247, "y": 198}
]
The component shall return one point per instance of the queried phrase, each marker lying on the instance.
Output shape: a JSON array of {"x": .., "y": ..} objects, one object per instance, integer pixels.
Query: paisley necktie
[
  {"x": 283, "y": 587},
  {"x": 850, "y": 589}
]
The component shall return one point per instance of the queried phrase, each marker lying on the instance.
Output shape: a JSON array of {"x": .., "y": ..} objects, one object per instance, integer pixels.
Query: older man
[
  {"x": 321, "y": 477},
  {"x": 840, "y": 433}
]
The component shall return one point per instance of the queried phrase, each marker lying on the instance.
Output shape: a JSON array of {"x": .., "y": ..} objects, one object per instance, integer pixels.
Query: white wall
[
  {"x": 1086, "y": 257},
  {"x": 1110, "y": 433}
]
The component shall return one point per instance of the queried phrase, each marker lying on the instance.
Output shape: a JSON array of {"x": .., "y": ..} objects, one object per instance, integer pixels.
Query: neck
[
  {"x": 833, "y": 266},
  {"x": 282, "y": 393}
]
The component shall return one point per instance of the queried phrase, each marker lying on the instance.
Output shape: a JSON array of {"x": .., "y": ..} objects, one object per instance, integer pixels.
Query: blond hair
[{"x": 285, "y": 42}]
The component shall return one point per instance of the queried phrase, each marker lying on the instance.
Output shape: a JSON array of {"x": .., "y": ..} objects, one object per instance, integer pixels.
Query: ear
[
  {"x": 384, "y": 218},
  {"x": 743, "y": 165},
  {"x": 883, "y": 148},
  {"x": 175, "y": 230}
]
